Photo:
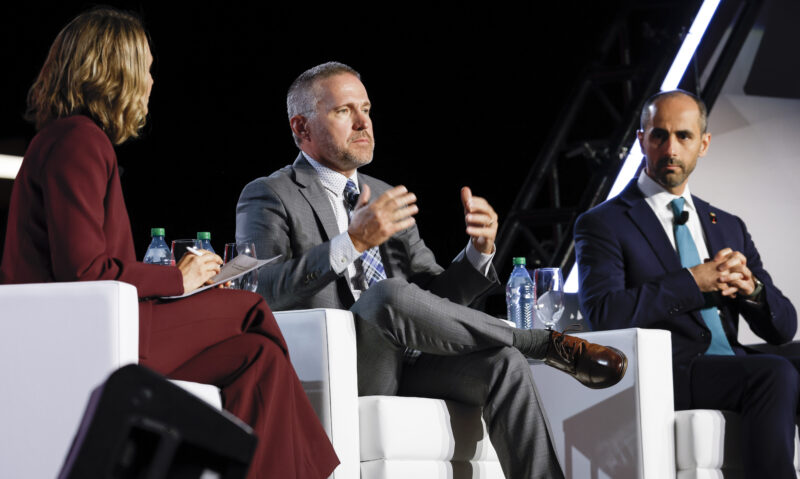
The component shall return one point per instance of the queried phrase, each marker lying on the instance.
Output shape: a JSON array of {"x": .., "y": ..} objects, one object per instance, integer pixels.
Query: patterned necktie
[
  {"x": 687, "y": 251},
  {"x": 371, "y": 258}
]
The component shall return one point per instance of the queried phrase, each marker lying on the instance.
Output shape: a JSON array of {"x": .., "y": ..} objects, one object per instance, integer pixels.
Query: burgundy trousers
[{"x": 231, "y": 340}]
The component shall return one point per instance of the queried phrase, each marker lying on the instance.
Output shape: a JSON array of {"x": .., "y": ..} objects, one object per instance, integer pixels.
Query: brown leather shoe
[{"x": 593, "y": 365}]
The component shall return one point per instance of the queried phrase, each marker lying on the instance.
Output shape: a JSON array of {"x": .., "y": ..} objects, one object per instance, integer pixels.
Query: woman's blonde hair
[{"x": 96, "y": 66}]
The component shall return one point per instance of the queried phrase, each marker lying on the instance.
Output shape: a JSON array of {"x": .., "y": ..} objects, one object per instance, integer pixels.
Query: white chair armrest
[
  {"x": 626, "y": 430},
  {"x": 58, "y": 341},
  {"x": 207, "y": 392},
  {"x": 322, "y": 346}
]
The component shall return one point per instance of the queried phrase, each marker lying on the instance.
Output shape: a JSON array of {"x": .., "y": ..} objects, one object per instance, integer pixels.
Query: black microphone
[{"x": 682, "y": 219}]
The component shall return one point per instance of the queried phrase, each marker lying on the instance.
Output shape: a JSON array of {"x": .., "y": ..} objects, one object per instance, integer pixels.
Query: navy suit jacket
[{"x": 631, "y": 276}]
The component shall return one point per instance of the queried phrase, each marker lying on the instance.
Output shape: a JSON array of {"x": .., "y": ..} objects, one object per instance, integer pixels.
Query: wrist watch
[{"x": 754, "y": 296}]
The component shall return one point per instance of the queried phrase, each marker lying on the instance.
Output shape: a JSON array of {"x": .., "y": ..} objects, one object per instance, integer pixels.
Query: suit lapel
[
  {"x": 646, "y": 221},
  {"x": 313, "y": 191},
  {"x": 712, "y": 230}
]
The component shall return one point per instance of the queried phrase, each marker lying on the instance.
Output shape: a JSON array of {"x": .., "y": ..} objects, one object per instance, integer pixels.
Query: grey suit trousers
[{"x": 467, "y": 357}]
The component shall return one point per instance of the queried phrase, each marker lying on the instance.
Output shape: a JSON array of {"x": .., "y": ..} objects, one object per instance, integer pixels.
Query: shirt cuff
[
  {"x": 343, "y": 253},
  {"x": 479, "y": 261}
]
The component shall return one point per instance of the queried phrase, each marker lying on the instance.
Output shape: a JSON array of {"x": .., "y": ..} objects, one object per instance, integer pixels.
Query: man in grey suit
[{"x": 349, "y": 241}]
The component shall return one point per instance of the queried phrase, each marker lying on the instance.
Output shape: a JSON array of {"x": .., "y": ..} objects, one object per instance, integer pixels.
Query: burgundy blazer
[{"x": 68, "y": 222}]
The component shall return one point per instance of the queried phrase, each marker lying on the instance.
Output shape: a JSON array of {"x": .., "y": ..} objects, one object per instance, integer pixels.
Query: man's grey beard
[
  {"x": 347, "y": 160},
  {"x": 350, "y": 161}
]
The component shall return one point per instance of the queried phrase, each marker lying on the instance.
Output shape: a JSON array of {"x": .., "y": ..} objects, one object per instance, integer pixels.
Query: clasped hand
[
  {"x": 374, "y": 223},
  {"x": 726, "y": 272},
  {"x": 198, "y": 270}
]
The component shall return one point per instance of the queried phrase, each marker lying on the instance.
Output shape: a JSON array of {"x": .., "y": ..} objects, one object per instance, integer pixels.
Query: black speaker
[{"x": 138, "y": 425}]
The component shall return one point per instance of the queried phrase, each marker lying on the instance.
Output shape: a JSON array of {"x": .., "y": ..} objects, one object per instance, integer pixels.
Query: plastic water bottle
[
  {"x": 519, "y": 296},
  {"x": 204, "y": 237},
  {"x": 158, "y": 252}
]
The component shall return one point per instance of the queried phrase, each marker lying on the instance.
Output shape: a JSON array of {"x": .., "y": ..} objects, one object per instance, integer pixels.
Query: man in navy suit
[{"x": 657, "y": 257}]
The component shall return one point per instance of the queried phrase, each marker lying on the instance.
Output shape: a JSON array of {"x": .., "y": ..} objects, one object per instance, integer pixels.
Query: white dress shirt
[
  {"x": 343, "y": 253},
  {"x": 659, "y": 201}
]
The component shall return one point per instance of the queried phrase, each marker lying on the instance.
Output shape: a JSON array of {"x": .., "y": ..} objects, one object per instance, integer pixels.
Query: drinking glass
[
  {"x": 249, "y": 281},
  {"x": 548, "y": 295},
  {"x": 179, "y": 247}
]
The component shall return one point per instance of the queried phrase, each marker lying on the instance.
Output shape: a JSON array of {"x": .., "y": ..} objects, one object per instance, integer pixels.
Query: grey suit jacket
[{"x": 288, "y": 213}]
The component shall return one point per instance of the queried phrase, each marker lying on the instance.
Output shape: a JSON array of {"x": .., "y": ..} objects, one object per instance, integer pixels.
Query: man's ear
[
  {"x": 705, "y": 140},
  {"x": 299, "y": 125}
]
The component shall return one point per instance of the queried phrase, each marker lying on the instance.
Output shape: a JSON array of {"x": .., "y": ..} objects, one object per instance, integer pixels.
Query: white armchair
[
  {"x": 58, "y": 341},
  {"x": 381, "y": 437},
  {"x": 631, "y": 429}
]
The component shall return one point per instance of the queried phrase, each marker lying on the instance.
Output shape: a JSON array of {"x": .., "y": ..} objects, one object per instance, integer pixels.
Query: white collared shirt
[
  {"x": 659, "y": 201},
  {"x": 343, "y": 253}
]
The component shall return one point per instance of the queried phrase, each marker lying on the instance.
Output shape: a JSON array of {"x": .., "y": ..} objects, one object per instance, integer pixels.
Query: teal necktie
[{"x": 687, "y": 250}]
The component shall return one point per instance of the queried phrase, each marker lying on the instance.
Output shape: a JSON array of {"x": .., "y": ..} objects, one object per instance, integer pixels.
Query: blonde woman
[{"x": 68, "y": 222}]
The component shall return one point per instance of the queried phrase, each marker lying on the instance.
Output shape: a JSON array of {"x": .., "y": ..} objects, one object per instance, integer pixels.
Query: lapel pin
[{"x": 713, "y": 218}]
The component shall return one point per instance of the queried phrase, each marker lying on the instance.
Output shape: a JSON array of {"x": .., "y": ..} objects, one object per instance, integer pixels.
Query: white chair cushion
[
  {"x": 404, "y": 428},
  {"x": 623, "y": 431},
  {"x": 704, "y": 439},
  {"x": 710, "y": 474},
  {"x": 380, "y": 437},
  {"x": 707, "y": 440},
  {"x": 431, "y": 470},
  {"x": 207, "y": 392},
  {"x": 58, "y": 341},
  {"x": 322, "y": 345}
]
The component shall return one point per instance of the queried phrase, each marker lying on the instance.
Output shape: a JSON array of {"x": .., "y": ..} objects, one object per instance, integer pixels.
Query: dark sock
[{"x": 531, "y": 342}]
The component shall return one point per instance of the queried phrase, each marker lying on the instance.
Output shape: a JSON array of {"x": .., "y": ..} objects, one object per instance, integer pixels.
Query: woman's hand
[{"x": 197, "y": 270}]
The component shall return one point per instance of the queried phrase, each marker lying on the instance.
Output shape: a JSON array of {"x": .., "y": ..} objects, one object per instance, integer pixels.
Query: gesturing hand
[
  {"x": 481, "y": 221},
  {"x": 373, "y": 223},
  {"x": 197, "y": 270}
]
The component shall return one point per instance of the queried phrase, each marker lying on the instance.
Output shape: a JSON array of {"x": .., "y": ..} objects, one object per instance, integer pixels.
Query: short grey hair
[
  {"x": 645, "y": 117},
  {"x": 303, "y": 96}
]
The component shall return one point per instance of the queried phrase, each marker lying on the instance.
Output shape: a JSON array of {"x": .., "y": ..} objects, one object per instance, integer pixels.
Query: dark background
[{"x": 461, "y": 96}]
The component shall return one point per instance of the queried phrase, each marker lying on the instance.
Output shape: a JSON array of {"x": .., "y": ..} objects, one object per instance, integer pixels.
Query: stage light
[
  {"x": 671, "y": 82},
  {"x": 9, "y": 166}
]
